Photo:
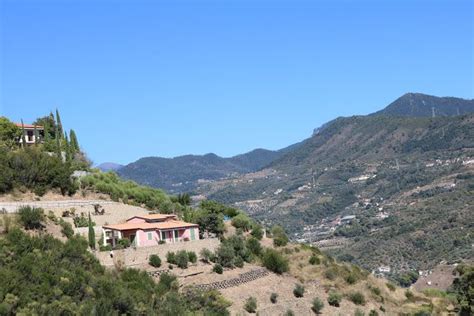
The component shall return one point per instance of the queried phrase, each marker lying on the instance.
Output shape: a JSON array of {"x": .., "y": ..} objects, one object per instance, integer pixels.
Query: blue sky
[{"x": 166, "y": 78}]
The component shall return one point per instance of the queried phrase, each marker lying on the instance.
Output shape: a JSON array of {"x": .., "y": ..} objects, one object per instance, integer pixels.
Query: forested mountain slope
[
  {"x": 181, "y": 174},
  {"x": 390, "y": 172}
]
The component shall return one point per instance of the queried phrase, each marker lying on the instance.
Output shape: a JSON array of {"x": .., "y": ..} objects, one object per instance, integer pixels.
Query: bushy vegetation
[
  {"x": 242, "y": 221},
  {"x": 279, "y": 236},
  {"x": 462, "y": 287},
  {"x": 251, "y": 305},
  {"x": 257, "y": 231},
  {"x": 317, "y": 305},
  {"x": 357, "y": 298},
  {"x": 206, "y": 255},
  {"x": 42, "y": 166},
  {"x": 31, "y": 217},
  {"x": 154, "y": 261},
  {"x": 334, "y": 298},
  {"x": 218, "y": 268},
  {"x": 46, "y": 275},
  {"x": 298, "y": 291},
  {"x": 129, "y": 192},
  {"x": 274, "y": 298},
  {"x": 274, "y": 261}
]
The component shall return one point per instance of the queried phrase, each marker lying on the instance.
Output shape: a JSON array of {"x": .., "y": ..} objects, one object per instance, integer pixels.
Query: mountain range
[
  {"x": 186, "y": 173},
  {"x": 403, "y": 175}
]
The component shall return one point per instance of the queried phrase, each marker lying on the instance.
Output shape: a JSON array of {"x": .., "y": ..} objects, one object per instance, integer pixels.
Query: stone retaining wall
[
  {"x": 242, "y": 278},
  {"x": 138, "y": 256}
]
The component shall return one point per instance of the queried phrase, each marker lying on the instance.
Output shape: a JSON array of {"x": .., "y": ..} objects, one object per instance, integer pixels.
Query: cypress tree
[
  {"x": 23, "y": 140},
  {"x": 58, "y": 143},
  {"x": 67, "y": 148},
  {"x": 58, "y": 123},
  {"x": 46, "y": 132},
  {"x": 91, "y": 234},
  {"x": 74, "y": 142}
]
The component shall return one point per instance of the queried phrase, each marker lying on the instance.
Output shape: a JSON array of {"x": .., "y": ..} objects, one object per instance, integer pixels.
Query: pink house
[{"x": 149, "y": 230}]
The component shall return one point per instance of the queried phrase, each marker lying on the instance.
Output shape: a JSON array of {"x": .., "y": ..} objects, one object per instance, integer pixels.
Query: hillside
[
  {"x": 182, "y": 174},
  {"x": 402, "y": 178},
  {"x": 422, "y": 105}
]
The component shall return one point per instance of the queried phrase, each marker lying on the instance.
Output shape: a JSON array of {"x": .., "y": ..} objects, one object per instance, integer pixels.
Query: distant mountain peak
[
  {"x": 109, "y": 166},
  {"x": 416, "y": 104}
]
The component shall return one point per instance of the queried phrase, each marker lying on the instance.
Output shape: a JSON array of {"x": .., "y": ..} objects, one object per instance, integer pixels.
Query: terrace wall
[{"x": 134, "y": 257}]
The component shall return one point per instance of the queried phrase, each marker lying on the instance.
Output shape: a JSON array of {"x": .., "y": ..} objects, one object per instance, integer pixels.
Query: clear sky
[{"x": 166, "y": 78}]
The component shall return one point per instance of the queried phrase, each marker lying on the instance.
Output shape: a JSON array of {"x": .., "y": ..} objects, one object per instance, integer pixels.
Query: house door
[{"x": 193, "y": 237}]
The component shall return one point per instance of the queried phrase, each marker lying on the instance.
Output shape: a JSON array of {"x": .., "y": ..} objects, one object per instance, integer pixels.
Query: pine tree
[
  {"x": 91, "y": 234},
  {"x": 74, "y": 142}
]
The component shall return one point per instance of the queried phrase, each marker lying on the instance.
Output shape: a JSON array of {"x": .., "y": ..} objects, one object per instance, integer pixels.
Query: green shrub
[
  {"x": 334, "y": 298},
  {"x": 171, "y": 257},
  {"x": 192, "y": 256},
  {"x": 254, "y": 246},
  {"x": 274, "y": 298},
  {"x": 251, "y": 305},
  {"x": 66, "y": 228},
  {"x": 373, "y": 312},
  {"x": 218, "y": 268},
  {"x": 155, "y": 261},
  {"x": 257, "y": 232},
  {"x": 225, "y": 255},
  {"x": 357, "y": 298},
  {"x": 330, "y": 274},
  {"x": 206, "y": 255},
  {"x": 298, "y": 291},
  {"x": 409, "y": 295},
  {"x": 31, "y": 217},
  {"x": 280, "y": 238},
  {"x": 313, "y": 260},
  {"x": 239, "y": 262},
  {"x": 317, "y": 306},
  {"x": 289, "y": 312},
  {"x": 391, "y": 287},
  {"x": 107, "y": 247},
  {"x": 242, "y": 221},
  {"x": 274, "y": 261},
  {"x": 82, "y": 221},
  {"x": 351, "y": 278},
  {"x": 182, "y": 259},
  {"x": 124, "y": 243}
]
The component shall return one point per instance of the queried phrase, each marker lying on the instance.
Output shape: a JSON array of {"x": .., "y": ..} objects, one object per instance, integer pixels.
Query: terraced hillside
[{"x": 402, "y": 178}]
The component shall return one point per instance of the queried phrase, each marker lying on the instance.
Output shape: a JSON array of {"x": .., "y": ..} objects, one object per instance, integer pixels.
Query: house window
[
  {"x": 163, "y": 235},
  {"x": 176, "y": 235},
  {"x": 150, "y": 236}
]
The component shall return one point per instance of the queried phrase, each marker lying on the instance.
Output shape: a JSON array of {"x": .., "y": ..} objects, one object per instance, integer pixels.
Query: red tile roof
[
  {"x": 173, "y": 224},
  {"x": 154, "y": 216}
]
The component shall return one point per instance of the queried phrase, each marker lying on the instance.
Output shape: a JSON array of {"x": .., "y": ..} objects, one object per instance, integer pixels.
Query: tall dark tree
[
  {"x": 73, "y": 140},
  {"x": 59, "y": 124},
  {"x": 91, "y": 233},
  {"x": 68, "y": 150},
  {"x": 23, "y": 140}
]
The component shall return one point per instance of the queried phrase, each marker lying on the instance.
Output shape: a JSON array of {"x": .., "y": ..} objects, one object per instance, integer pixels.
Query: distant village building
[
  {"x": 32, "y": 134},
  {"x": 150, "y": 230}
]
